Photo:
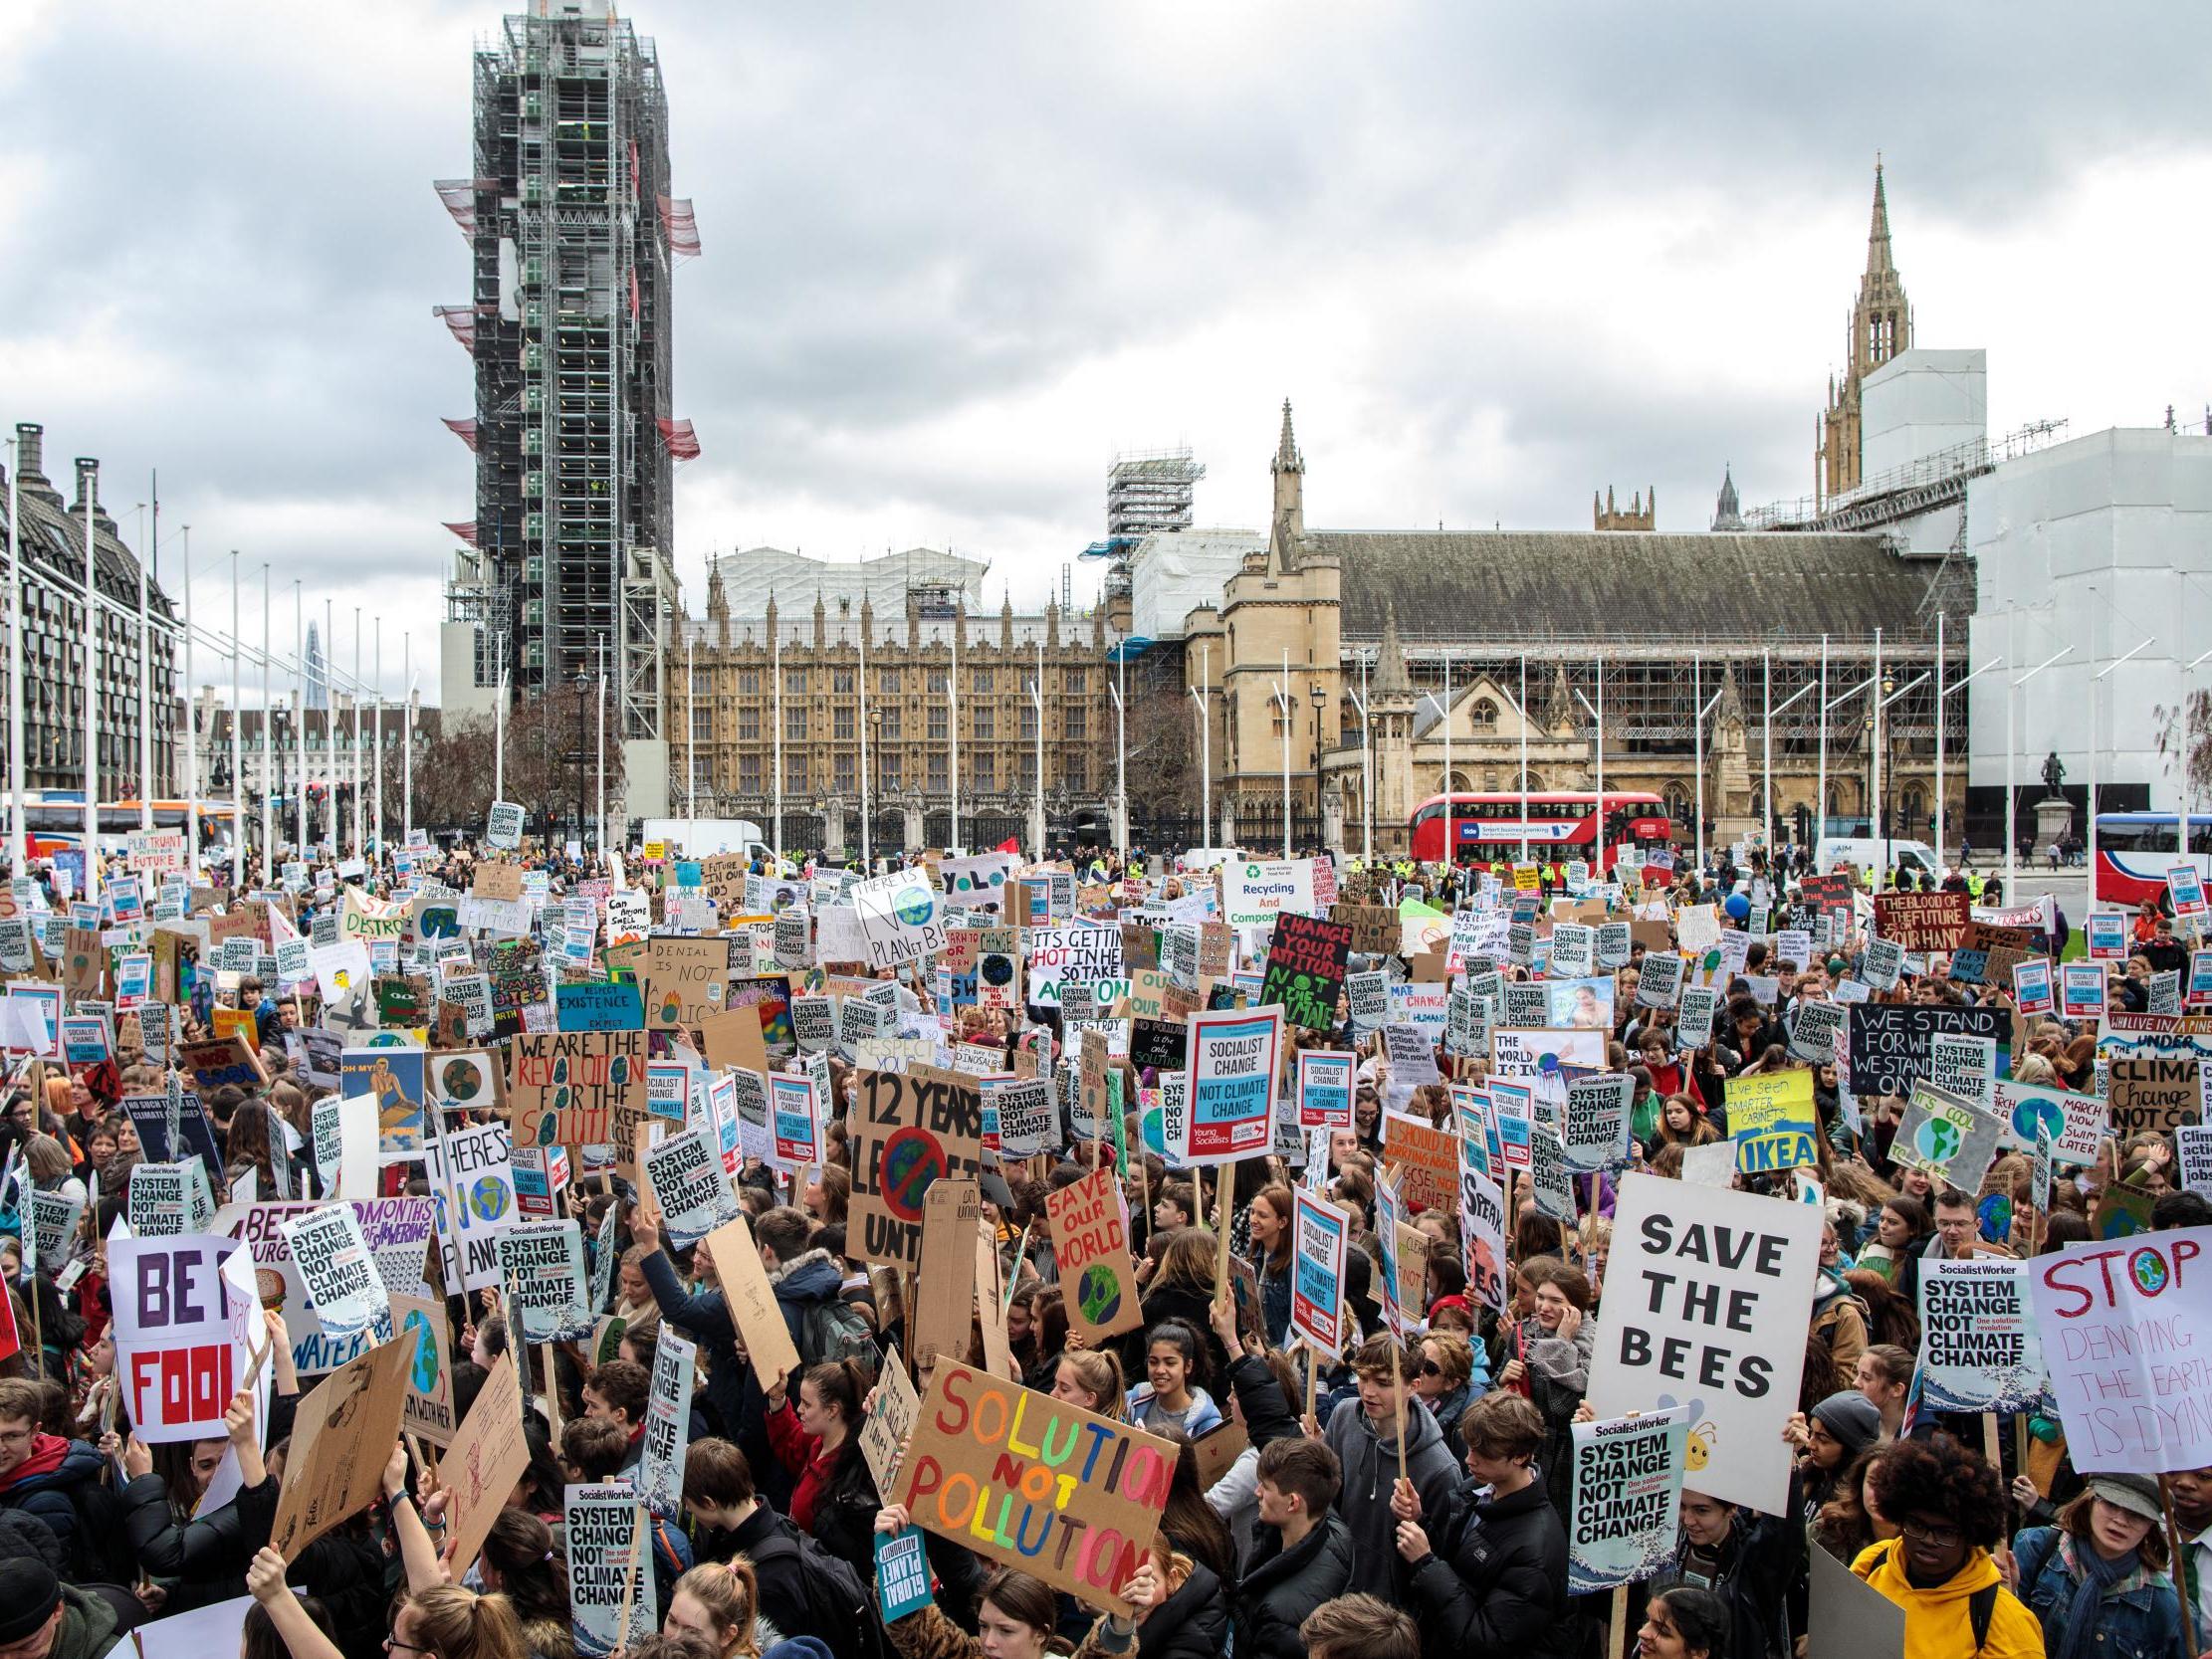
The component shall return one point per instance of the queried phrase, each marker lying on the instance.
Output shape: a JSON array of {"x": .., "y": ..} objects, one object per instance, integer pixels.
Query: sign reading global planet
[{"x": 1099, "y": 1293}]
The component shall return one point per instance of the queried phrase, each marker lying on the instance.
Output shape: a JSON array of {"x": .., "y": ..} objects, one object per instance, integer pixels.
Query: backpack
[
  {"x": 841, "y": 1609},
  {"x": 832, "y": 1330}
]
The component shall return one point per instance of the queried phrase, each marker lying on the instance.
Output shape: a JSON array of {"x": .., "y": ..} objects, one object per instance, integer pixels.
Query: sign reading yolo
[
  {"x": 1031, "y": 1482},
  {"x": 2122, "y": 1325},
  {"x": 1772, "y": 1121},
  {"x": 1694, "y": 1295},
  {"x": 911, "y": 1129}
]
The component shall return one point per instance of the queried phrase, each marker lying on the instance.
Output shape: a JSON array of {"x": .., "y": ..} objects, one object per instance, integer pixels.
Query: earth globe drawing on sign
[
  {"x": 425, "y": 1377},
  {"x": 461, "y": 1080},
  {"x": 913, "y": 1158},
  {"x": 1937, "y": 1140},
  {"x": 488, "y": 1198},
  {"x": 2149, "y": 1269},
  {"x": 996, "y": 969},
  {"x": 914, "y": 905},
  {"x": 1099, "y": 1293},
  {"x": 2030, "y": 1115}
]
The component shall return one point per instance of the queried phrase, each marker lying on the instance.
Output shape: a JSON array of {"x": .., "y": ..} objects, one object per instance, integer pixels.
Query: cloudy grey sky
[{"x": 957, "y": 255}]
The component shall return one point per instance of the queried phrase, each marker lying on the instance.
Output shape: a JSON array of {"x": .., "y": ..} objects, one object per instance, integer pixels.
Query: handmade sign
[
  {"x": 1951, "y": 1140},
  {"x": 472, "y": 1179},
  {"x": 945, "y": 1292},
  {"x": 1710, "y": 1275},
  {"x": 1089, "y": 1224},
  {"x": 1889, "y": 1041},
  {"x": 1628, "y": 1495},
  {"x": 908, "y": 1130},
  {"x": 1772, "y": 1120},
  {"x": 2115, "y": 1324},
  {"x": 890, "y": 1412},
  {"x": 2155, "y": 1095},
  {"x": 753, "y": 1305},
  {"x": 578, "y": 1088},
  {"x": 1305, "y": 969},
  {"x": 429, "y": 1409},
  {"x": 1426, "y": 1159},
  {"x": 1924, "y": 921},
  {"x": 1979, "y": 1347},
  {"x": 342, "y": 1435},
  {"x": 1031, "y": 1482},
  {"x": 180, "y": 1338}
]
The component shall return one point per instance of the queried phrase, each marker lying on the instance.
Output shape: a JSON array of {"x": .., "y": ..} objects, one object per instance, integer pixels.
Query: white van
[{"x": 1872, "y": 855}]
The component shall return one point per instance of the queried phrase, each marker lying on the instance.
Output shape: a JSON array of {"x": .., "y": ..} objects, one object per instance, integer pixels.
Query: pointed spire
[
  {"x": 1391, "y": 678},
  {"x": 1287, "y": 458},
  {"x": 1878, "y": 231},
  {"x": 1558, "y": 707}
]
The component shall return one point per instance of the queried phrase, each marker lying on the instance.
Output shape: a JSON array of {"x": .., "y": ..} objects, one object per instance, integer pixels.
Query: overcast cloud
[{"x": 957, "y": 255}]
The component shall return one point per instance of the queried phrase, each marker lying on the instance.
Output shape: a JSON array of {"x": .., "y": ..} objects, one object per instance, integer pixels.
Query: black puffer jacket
[
  {"x": 1283, "y": 1585},
  {"x": 1193, "y": 1623},
  {"x": 207, "y": 1557},
  {"x": 1495, "y": 1584}
]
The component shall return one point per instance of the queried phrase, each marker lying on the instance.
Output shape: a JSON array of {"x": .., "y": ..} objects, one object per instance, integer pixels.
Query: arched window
[
  {"x": 1681, "y": 800},
  {"x": 1916, "y": 811},
  {"x": 1482, "y": 714}
]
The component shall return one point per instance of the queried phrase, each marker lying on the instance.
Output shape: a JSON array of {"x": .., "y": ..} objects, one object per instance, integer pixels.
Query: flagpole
[
  {"x": 88, "y": 480},
  {"x": 16, "y": 832},
  {"x": 299, "y": 656}
]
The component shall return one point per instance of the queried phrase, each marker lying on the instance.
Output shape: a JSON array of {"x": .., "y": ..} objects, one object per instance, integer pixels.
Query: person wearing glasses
[{"x": 1949, "y": 1507}]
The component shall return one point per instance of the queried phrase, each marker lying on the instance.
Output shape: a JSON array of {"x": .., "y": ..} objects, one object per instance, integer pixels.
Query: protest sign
[
  {"x": 667, "y": 1439},
  {"x": 2077, "y": 1123},
  {"x": 2082, "y": 991},
  {"x": 753, "y": 1305},
  {"x": 487, "y": 1458},
  {"x": 2193, "y": 1152},
  {"x": 1594, "y": 1123},
  {"x": 687, "y": 1180},
  {"x": 429, "y": 1408},
  {"x": 180, "y": 1344},
  {"x": 975, "y": 1473},
  {"x": 900, "y": 916},
  {"x": 2155, "y": 1095},
  {"x": 1708, "y": 1276},
  {"x": 1089, "y": 1225},
  {"x": 687, "y": 981},
  {"x": 1965, "y": 1066},
  {"x": 890, "y": 1412},
  {"x": 471, "y": 1180},
  {"x": 1924, "y": 921},
  {"x": 945, "y": 1293},
  {"x": 1231, "y": 1086},
  {"x": 2031, "y": 987},
  {"x": 1077, "y": 953},
  {"x": 1549, "y": 1184},
  {"x": 1425, "y": 1157},
  {"x": 1628, "y": 1495},
  {"x": 2185, "y": 887},
  {"x": 2117, "y": 1324},
  {"x": 578, "y": 1088},
  {"x": 1325, "y": 1089},
  {"x": 794, "y": 1121},
  {"x": 1814, "y": 1032},
  {"x": 1368, "y": 998},
  {"x": 610, "y": 1566},
  {"x": 342, "y": 1435},
  {"x": 908, "y": 1130},
  {"x": 1318, "y": 1233},
  {"x": 1952, "y": 1140},
  {"x": 1979, "y": 1347},
  {"x": 1254, "y": 894},
  {"x": 1889, "y": 1041},
  {"x": 1029, "y": 1124},
  {"x": 333, "y": 1262},
  {"x": 168, "y": 1200},
  {"x": 1772, "y": 1120},
  {"x": 541, "y": 1264},
  {"x": 1305, "y": 969},
  {"x": 1482, "y": 1229}
]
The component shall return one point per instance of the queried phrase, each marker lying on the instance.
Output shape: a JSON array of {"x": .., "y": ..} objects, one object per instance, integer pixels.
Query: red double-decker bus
[{"x": 1557, "y": 825}]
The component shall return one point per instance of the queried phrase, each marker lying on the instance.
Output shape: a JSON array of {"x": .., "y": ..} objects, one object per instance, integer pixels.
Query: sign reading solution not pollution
[{"x": 1699, "y": 1281}]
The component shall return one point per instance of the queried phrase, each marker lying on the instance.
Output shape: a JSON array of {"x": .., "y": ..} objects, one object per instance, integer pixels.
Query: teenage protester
[
  {"x": 1303, "y": 1556},
  {"x": 1364, "y": 1434},
  {"x": 2096, "y": 1580},
  {"x": 1949, "y": 1507}
]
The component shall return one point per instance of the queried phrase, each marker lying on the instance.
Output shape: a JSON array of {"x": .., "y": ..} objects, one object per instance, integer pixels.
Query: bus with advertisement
[
  {"x": 2135, "y": 850},
  {"x": 1557, "y": 825}
]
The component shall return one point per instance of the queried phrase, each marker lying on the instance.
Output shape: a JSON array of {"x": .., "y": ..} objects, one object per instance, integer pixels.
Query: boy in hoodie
[
  {"x": 1304, "y": 1555},
  {"x": 1950, "y": 1507},
  {"x": 39, "y": 1472},
  {"x": 1363, "y": 1434}
]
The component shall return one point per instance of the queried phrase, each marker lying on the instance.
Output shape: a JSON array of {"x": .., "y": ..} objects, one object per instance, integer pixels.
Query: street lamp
[
  {"x": 1121, "y": 756},
  {"x": 1320, "y": 698}
]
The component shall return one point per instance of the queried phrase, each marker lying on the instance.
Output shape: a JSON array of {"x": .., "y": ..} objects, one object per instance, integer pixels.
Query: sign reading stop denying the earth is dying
[
  {"x": 912, "y": 1128},
  {"x": 1090, "y": 1239}
]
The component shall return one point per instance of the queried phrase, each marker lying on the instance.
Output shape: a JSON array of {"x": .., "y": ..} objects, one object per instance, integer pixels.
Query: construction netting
[
  {"x": 682, "y": 226},
  {"x": 463, "y": 429},
  {"x": 679, "y": 440},
  {"x": 467, "y": 532},
  {"x": 458, "y": 196},
  {"x": 461, "y": 320}
]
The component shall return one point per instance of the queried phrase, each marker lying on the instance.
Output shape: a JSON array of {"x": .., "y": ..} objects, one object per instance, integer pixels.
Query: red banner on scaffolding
[
  {"x": 682, "y": 226},
  {"x": 679, "y": 440},
  {"x": 463, "y": 429},
  {"x": 467, "y": 532}
]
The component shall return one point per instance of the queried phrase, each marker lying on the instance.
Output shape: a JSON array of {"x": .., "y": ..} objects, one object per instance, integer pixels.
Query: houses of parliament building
[{"x": 1344, "y": 663}]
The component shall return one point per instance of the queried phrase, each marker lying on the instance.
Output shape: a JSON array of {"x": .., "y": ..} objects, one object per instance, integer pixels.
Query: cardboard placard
[
  {"x": 578, "y": 1088},
  {"x": 976, "y": 1474},
  {"x": 1089, "y": 1224},
  {"x": 753, "y": 1303},
  {"x": 944, "y": 1294},
  {"x": 910, "y": 1129},
  {"x": 428, "y": 1410},
  {"x": 2154, "y": 1095},
  {"x": 487, "y": 1458},
  {"x": 342, "y": 1438},
  {"x": 889, "y": 1421}
]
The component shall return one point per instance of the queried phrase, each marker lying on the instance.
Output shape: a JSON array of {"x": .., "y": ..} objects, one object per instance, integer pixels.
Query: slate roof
[{"x": 1583, "y": 584}]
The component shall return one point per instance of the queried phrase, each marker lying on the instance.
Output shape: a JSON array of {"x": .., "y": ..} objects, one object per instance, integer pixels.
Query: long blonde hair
[{"x": 732, "y": 1594}]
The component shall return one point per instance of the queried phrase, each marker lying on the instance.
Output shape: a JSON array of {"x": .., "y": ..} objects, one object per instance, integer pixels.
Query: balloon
[{"x": 1738, "y": 906}]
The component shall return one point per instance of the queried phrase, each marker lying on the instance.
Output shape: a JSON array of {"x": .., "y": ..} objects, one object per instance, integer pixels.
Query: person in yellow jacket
[{"x": 1949, "y": 1507}]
